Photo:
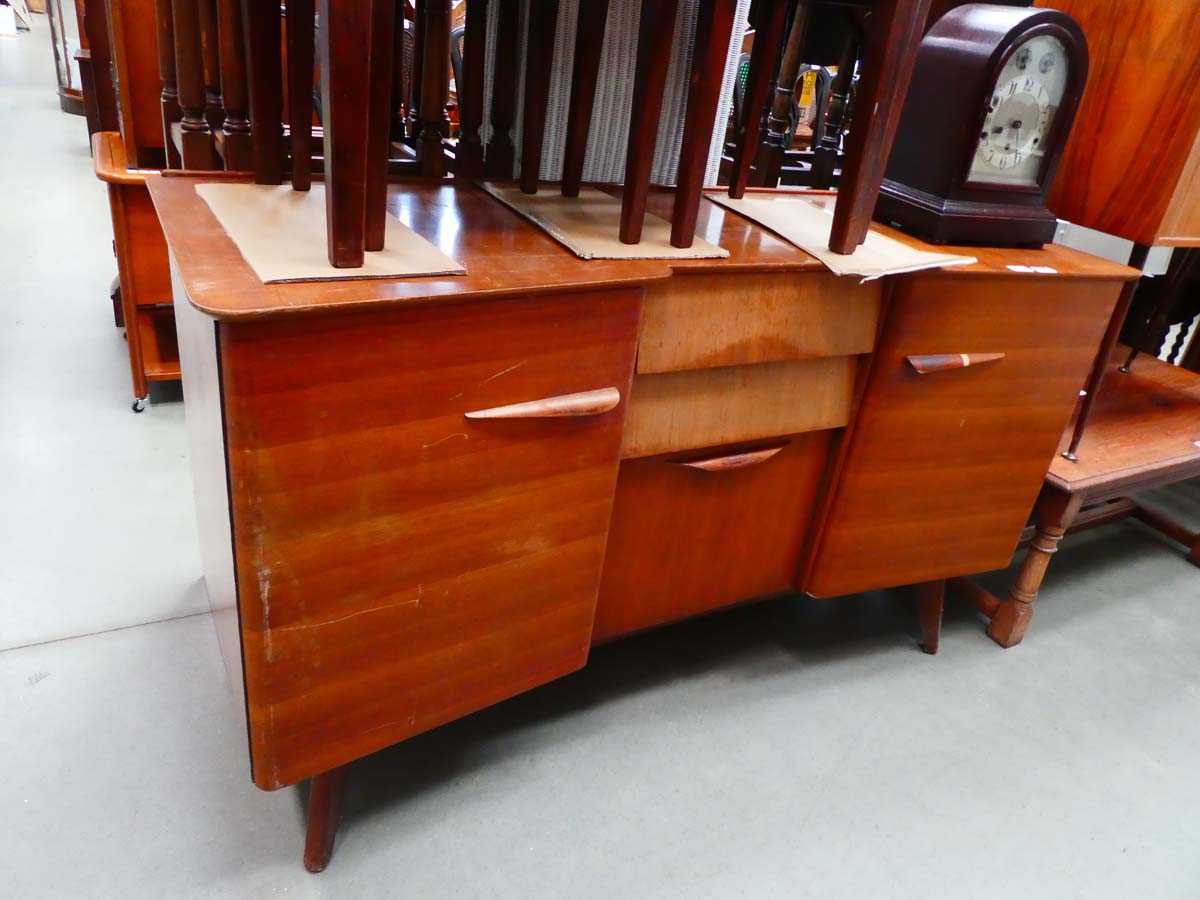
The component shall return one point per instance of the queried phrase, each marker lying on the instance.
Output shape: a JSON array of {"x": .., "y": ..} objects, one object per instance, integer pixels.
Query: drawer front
[
  {"x": 709, "y": 321},
  {"x": 695, "y": 532},
  {"x": 963, "y": 409},
  {"x": 420, "y": 506},
  {"x": 676, "y": 411}
]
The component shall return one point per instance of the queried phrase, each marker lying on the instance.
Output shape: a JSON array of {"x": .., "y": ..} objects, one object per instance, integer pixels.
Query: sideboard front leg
[
  {"x": 931, "y": 597},
  {"x": 324, "y": 812},
  {"x": 1056, "y": 510}
]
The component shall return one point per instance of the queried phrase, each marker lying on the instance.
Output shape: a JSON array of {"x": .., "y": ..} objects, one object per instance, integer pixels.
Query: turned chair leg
[
  {"x": 324, "y": 812},
  {"x": 1056, "y": 510},
  {"x": 931, "y": 600}
]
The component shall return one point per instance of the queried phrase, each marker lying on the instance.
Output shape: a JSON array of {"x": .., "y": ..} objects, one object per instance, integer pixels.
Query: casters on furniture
[
  {"x": 324, "y": 812},
  {"x": 931, "y": 597},
  {"x": 139, "y": 405}
]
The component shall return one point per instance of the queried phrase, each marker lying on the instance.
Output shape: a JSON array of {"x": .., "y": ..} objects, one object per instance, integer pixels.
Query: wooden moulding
[
  {"x": 736, "y": 319},
  {"x": 708, "y": 407}
]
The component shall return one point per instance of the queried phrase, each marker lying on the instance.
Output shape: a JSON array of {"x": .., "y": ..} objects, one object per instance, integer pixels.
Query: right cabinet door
[{"x": 967, "y": 396}]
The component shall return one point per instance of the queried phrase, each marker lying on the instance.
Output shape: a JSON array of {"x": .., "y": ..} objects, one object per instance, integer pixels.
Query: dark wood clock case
[{"x": 926, "y": 190}]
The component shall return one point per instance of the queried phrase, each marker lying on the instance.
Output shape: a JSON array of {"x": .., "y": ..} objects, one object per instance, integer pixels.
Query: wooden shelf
[{"x": 160, "y": 348}]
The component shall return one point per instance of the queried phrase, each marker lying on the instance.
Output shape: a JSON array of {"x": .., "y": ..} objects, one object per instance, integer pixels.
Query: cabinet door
[
  {"x": 420, "y": 502},
  {"x": 940, "y": 470}
]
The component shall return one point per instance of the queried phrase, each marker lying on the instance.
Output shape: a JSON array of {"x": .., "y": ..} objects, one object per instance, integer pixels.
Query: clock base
[{"x": 971, "y": 222}]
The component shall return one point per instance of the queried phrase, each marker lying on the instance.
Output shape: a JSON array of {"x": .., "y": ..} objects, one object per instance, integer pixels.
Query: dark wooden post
[
  {"x": 828, "y": 148},
  {"x": 298, "y": 25},
  {"x": 104, "y": 95},
  {"x": 589, "y": 42},
  {"x": 236, "y": 127},
  {"x": 539, "y": 62},
  {"x": 383, "y": 40},
  {"x": 498, "y": 160},
  {"x": 345, "y": 58},
  {"x": 656, "y": 32},
  {"x": 768, "y": 163},
  {"x": 713, "y": 30},
  {"x": 210, "y": 52},
  {"x": 435, "y": 86},
  {"x": 764, "y": 59},
  {"x": 325, "y": 793},
  {"x": 169, "y": 99},
  {"x": 264, "y": 63},
  {"x": 894, "y": 32},
  {"x": 469, "y": 155},
  {"x": 195, "y": 136}
]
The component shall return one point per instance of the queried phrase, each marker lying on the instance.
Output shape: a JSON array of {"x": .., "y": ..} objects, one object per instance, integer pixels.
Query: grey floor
[{"x": 792, "y": 749}]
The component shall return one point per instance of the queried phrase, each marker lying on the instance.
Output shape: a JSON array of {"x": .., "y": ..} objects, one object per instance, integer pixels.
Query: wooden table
[
  {"x": 420, "y": 497},
  {"x": 1144, "y": 433}
]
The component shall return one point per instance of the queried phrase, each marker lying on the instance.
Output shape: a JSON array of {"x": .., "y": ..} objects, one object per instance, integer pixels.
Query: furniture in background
[
  {"x": 65, "y": 32},
  {"x": 1131, "y": 168},
  {"x": 419, "y": 497}
]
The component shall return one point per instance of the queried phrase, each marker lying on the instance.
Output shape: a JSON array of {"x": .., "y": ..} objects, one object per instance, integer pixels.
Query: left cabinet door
[{"x": 399, "y": 562}]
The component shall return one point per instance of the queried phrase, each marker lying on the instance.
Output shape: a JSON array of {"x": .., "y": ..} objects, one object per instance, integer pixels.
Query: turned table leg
[
  {"x": 1055, "y": 512},
  {"x": 324, "y": 812},
  {"x": 931, "y": 599}
]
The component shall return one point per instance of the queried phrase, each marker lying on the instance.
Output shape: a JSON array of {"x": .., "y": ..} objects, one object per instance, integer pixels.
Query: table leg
[
  {"x": 1055, "y": 509},
  {"x": 325, "y": 793},
  {"x": 931, "y": 600}
]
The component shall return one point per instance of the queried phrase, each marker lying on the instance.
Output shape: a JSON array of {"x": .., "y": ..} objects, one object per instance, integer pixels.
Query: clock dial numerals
[{"x": 1020, "y": 114}]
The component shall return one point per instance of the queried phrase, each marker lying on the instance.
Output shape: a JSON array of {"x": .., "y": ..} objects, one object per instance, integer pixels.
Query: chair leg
[
  {"x": 1055, "y": 512},
  {"x": 931, "y": 600},
  {"x": 325, "y": 793}
]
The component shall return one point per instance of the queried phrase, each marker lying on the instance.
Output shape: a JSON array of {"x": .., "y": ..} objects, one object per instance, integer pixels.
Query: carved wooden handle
[
  {"x": 587, "y": 403},
  {"x": 733, "y": 461},
  {"x": 940, "y": 362}
]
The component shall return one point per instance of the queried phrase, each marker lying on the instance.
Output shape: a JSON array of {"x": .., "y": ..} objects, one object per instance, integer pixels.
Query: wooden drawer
[
  {"x": 941, "y": 469},
  {"x": 675, "y": 411},
  {"x": 411, "y": 545},
  {"x": 709, "y": 321},
  {"x": 690, "y": 533}
]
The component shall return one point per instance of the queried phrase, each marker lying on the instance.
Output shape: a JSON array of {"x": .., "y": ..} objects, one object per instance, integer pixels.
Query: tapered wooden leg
[
  {"x": 539, "y": 56},
  {"x": 1055, "y": 512},
  {"x": 589, "y": 41},
  {"x": 931, "y": 600},
  {"x": 655, "y": 33},
  {"x": 300, "y": 23},
  {"x": 764, "y": 59},
  {"x": 704, "y": 89},
  {"x": 379, "y": 121},
  {"x": 324, "y": 813}
]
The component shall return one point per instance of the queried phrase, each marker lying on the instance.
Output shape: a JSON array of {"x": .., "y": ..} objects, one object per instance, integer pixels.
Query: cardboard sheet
[
  {"x": 281, "y": 234},
  {"x": 806, "y": 221},
  {"x": 588, "y": 225}
]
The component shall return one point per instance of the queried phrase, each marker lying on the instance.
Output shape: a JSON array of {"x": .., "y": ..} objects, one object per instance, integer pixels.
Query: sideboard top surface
[{"x": 507, "y": 256}]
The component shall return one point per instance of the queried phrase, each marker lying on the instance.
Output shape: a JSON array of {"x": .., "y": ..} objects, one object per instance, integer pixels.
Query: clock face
[{"x": 1021, "y": 110}]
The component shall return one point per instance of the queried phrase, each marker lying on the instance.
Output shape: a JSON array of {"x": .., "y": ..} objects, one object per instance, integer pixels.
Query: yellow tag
[{"x": 808, "y": 88}]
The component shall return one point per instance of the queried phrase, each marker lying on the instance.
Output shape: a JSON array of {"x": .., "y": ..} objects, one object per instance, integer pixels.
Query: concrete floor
[{"x": 792, "y": 749}]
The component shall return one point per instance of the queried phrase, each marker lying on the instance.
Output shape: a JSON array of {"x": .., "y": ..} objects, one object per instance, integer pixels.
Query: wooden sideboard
[{"x": 420, "y": 497}]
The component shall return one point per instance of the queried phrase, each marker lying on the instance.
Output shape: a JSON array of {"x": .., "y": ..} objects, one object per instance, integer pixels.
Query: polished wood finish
[
  {"x": 707, "y": 407},
  {"x": 730, "y": 320},
  {"x": 894, "y": 32},
  {"x": 656, "y": 32},
  {"x": 469, "y": 152},
  {"x": 435, "y": 563},
  {"x": 169, "y": 98},
  {"x": 345, "y": 58},
  {"x": 586, "y": 403},
  {"x": 764, "y": 56},
  {"x": 99, "y": 93},
  {"x": 214, "y": 112},
  {"x": 498, "y": 160},
  {"x": 264, "y": 65},
  {"x": 585, "y": 73},
  {"x": 685, "y": 541},
  {"x": 379, "y": 121},
  {"x": 944, "y": 362},
  {"x": 539, "y": 63},
  {"x": 730, "y": 461},
  {"x": 196, "y": 145},
  {"x": 235, "y": 130},
  {"x": 299, "y": 23},
  {"x": 325, "y": 793},
  {"x": 938, "y": 477},
  {"x": 141, "y": 265},
  {"x": 931, "y": 599},
  {"x": 1132, "y": 166},
  {"x": 134, "y": 50},
  {"x": 713, "y": 29},
  {"x": 434, "y": 23}
]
